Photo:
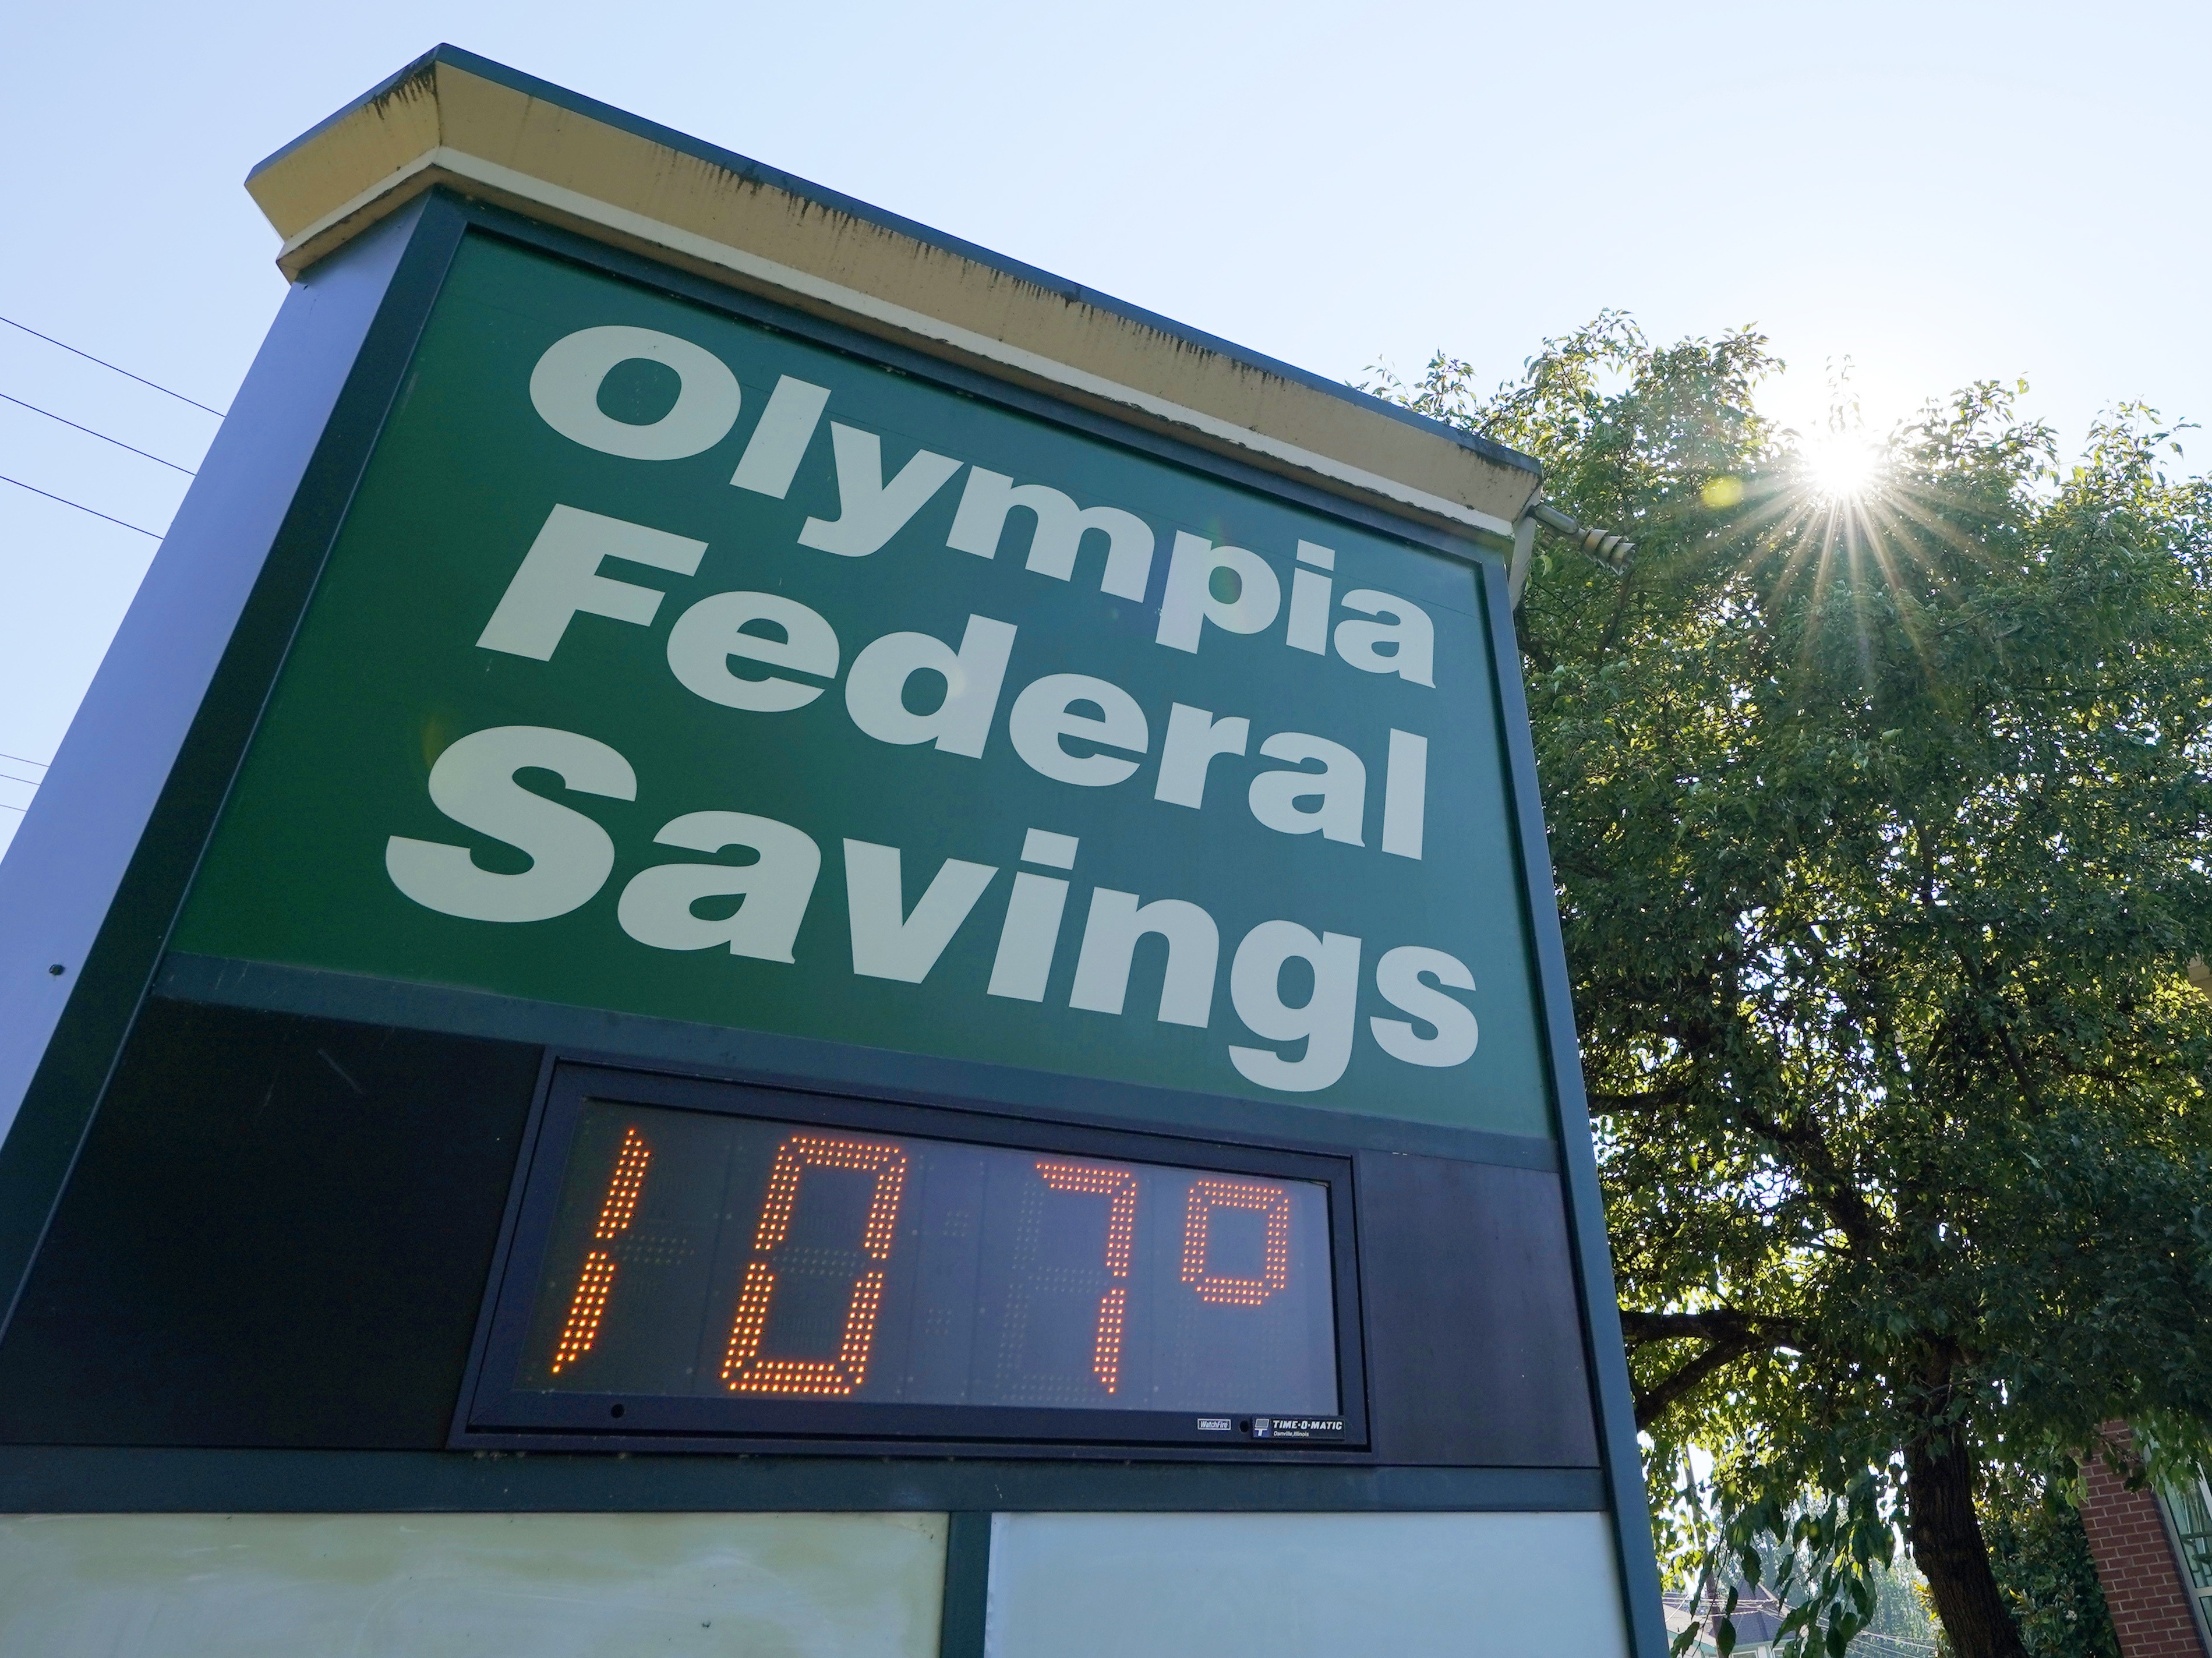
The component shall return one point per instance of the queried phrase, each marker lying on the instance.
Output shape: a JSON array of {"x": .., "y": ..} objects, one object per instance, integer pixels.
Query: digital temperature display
[{"x": 696, "y": 1255}]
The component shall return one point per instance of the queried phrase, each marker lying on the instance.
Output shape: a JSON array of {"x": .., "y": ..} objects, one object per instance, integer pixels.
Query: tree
[{"x": 1879, "y": 820}]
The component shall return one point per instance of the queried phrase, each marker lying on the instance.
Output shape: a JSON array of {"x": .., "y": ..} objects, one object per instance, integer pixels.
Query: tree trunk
[{"x": 1947, "y": 1547}]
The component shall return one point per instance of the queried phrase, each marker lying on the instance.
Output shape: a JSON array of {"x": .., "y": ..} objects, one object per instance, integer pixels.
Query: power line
[
  {"x": 10, "y": 776},
  {"x": 4, "y": 806},
  {"x": 102, "y": 436},
  {"x": 26, "y": 760},
  {"x": 104, "y": 363},
  {"x": 66, "y": 501}
]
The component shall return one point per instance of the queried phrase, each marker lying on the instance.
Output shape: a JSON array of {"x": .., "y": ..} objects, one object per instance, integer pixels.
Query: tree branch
[
  {"x": 1831, "y": 1189},
  {"x": 1639, "y": 1328},
  {"x": 1826, "y": 1181},
  {"x": 1729, "y": 1334},
  {"x": 1654, "y": 1402}
]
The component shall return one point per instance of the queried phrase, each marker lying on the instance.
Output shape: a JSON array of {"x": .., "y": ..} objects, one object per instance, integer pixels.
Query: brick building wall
[{"x": 2142, "y": 1581}]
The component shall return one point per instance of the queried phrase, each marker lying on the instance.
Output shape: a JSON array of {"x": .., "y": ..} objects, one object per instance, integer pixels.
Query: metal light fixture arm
[{"x": 1614, "y": 552}]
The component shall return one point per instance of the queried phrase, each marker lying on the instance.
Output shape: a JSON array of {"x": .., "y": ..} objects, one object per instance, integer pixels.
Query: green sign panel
[{"x": 672, "y": 664}]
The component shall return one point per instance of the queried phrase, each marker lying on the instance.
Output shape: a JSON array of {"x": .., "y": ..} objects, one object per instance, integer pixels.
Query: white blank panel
[
  {"x": 487, "y": 1586},
  {"x": 1303, "y": 1586}
]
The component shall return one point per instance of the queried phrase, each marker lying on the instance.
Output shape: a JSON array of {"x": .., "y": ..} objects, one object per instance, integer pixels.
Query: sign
[
  {"x": 736, "y": 1261},
  {"x": 672, "y": 664},
  {"x": 821, "y": 874}
]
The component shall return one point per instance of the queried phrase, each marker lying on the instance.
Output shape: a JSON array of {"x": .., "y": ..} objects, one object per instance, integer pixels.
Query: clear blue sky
[{"x": 1940, "y": 191}]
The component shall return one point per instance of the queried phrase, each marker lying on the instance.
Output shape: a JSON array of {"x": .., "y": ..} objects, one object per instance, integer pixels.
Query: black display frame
[{"x": 493, "y": 1413}]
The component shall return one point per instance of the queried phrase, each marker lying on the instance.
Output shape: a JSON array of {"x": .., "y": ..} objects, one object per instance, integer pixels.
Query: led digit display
[
  {"x": 694, "y": 1254},
  {"x": 1206, "y": 1196},
  {"x": 745, "y": 1370},
  {"x": 598, "y": 1277},
  {"x": 1118, "y": 1186}
]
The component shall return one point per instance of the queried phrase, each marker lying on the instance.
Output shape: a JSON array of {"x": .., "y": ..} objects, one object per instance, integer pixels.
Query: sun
[{"x": 1840, "y": 465}]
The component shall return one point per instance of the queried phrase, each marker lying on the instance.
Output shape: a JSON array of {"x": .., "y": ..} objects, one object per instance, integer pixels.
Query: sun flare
[{"x": 1840, "y": 466}]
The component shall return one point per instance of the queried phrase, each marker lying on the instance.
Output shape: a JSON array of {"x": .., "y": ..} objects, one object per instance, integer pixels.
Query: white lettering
[
  {"x": 1043, "y": 714},
  {"x": 887, "y": 942},
  {"x": 1109, "y": 945},
  {"x": 875, "y": 690},
  {"x": 706, "y": 637},
  {"x": 870, "y": 512},
  {"x": 1189, "y": 602},
  {"x": 1195, "y": 737},
  {"x": 1026, "y": 942},
  {"x": 1054, "y": 851},
  {"x": 559, "y": 576},
  {"x": 473, "y": 784},
  {"x": 1060, "y": 529},
  {"x": 1341, "y": 785},
  {"x": 1409, "y": 633},
  {"x": 1399, "y": 976},
  {"x": 564, "y": 389},
  {"x": 779, "y": 442},
  {"x": 1405, "y": 795},
  {"x": 1324, "y": 1020},
  {"x": 657, "y": 906},
  {"x": 1309, "y": 628}
]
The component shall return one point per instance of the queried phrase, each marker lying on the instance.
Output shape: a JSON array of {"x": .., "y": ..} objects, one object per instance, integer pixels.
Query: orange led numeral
[
  {"x": 597, "y": 1281},
  {"x": 743, "y": 1368},
  {"x": 1205, "y": 1197},
  {"x": 1119, "y": 1187}
]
